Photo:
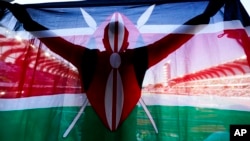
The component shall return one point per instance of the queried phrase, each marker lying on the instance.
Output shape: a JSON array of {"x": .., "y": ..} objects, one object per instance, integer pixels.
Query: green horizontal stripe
[{"x": 174, "y": 123}]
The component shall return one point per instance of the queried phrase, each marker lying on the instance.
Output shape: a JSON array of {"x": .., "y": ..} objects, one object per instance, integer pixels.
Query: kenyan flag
[{"x": 193, "y": 94}]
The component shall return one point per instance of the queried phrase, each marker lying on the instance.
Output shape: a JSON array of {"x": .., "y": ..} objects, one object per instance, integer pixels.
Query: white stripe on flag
[
  {"x": 164, "y": 29},
  {"x": 48, "y": 101},
  {"x": 203, "y": 101},
  {"x": 191, "y": 29}
]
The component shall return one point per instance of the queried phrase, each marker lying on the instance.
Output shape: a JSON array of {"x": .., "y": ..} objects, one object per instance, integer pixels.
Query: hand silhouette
[{"x": 20, "y": 12}]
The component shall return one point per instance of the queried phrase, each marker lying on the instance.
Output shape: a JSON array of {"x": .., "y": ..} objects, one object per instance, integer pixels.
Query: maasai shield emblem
[{"x": 113, "y": 98}]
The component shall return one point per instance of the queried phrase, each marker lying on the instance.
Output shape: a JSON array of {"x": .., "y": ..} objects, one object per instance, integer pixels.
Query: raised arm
[
  {"x": 67, "y": 50},
  {"x": 168, "y": 44}
]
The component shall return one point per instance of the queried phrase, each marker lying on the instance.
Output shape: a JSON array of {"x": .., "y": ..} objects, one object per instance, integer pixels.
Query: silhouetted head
[{"x": 115, "y": 37}]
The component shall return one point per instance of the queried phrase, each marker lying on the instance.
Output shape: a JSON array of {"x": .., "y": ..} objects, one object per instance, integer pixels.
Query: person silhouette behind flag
[{"x": 112, "y": 79}]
